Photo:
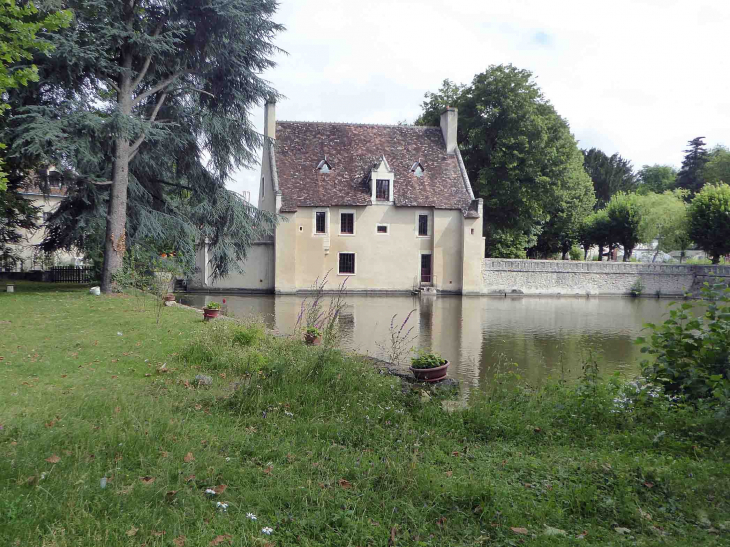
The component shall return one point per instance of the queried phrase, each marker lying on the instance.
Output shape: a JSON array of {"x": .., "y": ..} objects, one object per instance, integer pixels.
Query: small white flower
[
  {"x": 289, "y": 413},
  {"x": 222, "y": 506},
  {"x": 228, "y": 459},
  {"x": 119, "y": 333},
  {"x": 210, "y": 491},
  {"x": 267, "y": 531},
  {"x": 43, "y": 475},
  {"x": 251, "y": 516}
]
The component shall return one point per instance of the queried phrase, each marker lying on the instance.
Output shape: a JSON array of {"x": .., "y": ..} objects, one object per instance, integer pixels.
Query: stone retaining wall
[{"x": 557, "y": 277}]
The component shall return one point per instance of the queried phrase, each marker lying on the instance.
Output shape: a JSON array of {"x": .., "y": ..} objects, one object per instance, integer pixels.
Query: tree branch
[
  {"x": 114, "y": 85},
  {"x": 175, "y": 185},
  {"x": 135, "y": 146},
  {"x": 163, "y": 84},
  {"x": 101, "y": 183},
  {"x": 148, "y": 59}
]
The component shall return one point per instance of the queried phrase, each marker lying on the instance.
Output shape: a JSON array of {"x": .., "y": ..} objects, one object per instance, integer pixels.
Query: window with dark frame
[
  {"x": 320, "y": 218},
  {"x": 347, "y": 263},
  {"x": 382, "y": 229},
  {"x": 347, "y": 223},
  {"x": 422, "y": 225},
  {"x": 382, "y": 190}
]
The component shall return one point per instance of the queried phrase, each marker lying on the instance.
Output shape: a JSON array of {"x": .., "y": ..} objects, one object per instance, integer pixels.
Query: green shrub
[
  {"x": 427, "y": 360},
  {"x": 637, "y": 288},
  {"x": 692, "y": 350},
  {"x": 576, "y": 253},
  {"x": 248, "y": 335}
]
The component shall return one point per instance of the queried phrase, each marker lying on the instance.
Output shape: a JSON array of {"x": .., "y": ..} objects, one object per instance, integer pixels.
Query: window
[
  {"x": 381, "y": 229},
  {"x": 263, "y": 187},
  {"x": 382, "y": 190},
  {"x": 347, "y": 223},
  {"x": 422, "y": 225},
  {"x": 320, "y": 222},
  {"x": 347, "y": 263}
]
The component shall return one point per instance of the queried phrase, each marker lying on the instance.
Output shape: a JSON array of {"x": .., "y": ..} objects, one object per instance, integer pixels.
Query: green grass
[{"x": 317, "y": 444}]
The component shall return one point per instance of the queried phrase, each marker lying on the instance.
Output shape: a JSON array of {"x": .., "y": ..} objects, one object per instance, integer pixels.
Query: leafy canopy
[
  {"x": 709, "y": 220},
  {"x": 518, "y": 152},
  {"x": 609, "y": 175},
  {"x": 657, "y": 178}
]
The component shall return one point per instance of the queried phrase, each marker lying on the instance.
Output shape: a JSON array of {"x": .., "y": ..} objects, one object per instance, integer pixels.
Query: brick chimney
[
  {"x": 449, "y": 119},
  {"x": 270, "y": 118}
]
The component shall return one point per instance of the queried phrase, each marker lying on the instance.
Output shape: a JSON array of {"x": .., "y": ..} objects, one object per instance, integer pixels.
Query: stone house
[{"x": 390, "y": 207}]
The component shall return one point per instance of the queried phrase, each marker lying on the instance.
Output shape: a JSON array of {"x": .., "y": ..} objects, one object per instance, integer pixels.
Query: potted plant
[
  {"x": 312, "y": 336},
  {"x": 211, "y": 311},
  {"x": 429, "y": 367}
]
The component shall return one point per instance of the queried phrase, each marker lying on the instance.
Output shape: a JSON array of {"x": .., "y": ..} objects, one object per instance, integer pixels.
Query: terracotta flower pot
[
  {"x": 312, "y": 339},
  {"x": 169, "y": 298},
  {"x": 435, "y": 374},
  {"x": 210, "y": 314}
]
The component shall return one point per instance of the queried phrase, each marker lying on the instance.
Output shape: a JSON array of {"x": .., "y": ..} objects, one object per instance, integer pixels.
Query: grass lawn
[{"x": 317, "y": 445}]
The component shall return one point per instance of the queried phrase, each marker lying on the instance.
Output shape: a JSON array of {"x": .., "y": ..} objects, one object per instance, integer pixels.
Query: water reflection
[{"x": 545, "y": 337}]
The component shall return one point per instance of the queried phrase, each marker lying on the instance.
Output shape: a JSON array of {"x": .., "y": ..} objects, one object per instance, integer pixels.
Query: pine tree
[
  {"x": 143, "y": 105},
  {"x": 690, "y": 176}
]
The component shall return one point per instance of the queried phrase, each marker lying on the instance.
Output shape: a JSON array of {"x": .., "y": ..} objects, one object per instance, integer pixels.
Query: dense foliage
[
  {"x": 717, "y": 168},
  {"x": 709, "y": 220},
  {"x": 519, "y": 154},
  {"x": 610, "y": 174},
  {"x": 657, "y": 179},
  {"x": 143, "y": 106},
  {"x": 691, "y": 176},
  {"x": 692, "y": 350}
]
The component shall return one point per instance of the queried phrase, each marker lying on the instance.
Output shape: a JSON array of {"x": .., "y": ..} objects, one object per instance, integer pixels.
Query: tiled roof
[{"x": 353, "y": 150}]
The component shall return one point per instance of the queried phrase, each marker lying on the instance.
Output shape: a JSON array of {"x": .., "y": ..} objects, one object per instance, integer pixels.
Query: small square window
[
  {"x": 347, "y": 223},
  {"x": 422, "y": 225},
  {"x": 382, "y": 190},
  {"x": 382, "y": 229},
  {"x": 347, "y": 263},
  {"x": 320, "y": 222}
]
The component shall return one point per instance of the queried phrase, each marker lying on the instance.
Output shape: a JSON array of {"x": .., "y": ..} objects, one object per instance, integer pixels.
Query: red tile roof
[{"x": 353, "y": 150}]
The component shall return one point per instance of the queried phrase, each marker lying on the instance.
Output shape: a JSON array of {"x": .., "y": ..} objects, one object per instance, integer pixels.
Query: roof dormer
[
  {"x": 324, "y": 166},
  {"x": 417, "y": 169},
  {"x": 381, "y": 183}
]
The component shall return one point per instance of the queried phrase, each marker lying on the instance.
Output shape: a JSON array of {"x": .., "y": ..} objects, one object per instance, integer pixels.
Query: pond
[{"x": 540, "y": 338}]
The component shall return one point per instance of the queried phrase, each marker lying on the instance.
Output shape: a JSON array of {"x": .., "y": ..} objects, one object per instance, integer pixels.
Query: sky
[{"x": 637, "y": 77}]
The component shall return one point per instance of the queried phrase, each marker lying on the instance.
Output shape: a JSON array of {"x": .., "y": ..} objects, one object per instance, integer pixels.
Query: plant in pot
[
  {"x": 312, "y": 336},
  {"x": 429, "y": 367},
  {"x": 211, "y": 311}
]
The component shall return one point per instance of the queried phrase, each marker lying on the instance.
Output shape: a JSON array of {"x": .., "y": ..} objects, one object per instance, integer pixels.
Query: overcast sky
[{"x": 638, "y": 77}]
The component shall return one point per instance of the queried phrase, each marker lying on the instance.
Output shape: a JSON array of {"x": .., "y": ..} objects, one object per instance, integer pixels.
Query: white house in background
[
  {"x": 389, "y": 207},
  {"x": 31, "y": 257}
]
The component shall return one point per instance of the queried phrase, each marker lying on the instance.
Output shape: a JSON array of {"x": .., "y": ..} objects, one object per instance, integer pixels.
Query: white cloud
[{"x": 638, "y": 77}]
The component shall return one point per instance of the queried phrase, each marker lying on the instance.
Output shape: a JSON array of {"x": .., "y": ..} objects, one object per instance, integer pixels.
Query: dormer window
[
  {"x": 324, "y": 166},
  {"x": 381, "y": 183},
  {"x": 417, "y": 169}
]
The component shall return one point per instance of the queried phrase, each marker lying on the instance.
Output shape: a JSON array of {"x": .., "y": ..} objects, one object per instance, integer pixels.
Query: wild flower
[
  {"x": 210, "y": 492},
  {"x": 251, "y": 516},
  {"x": 267, "y": 530},
  {"x": 222, "y": 506},
  {"x": 290, "y": 414}
]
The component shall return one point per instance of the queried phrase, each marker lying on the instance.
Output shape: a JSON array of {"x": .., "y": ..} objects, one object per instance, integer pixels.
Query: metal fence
[{"x": 71, "y": 274}]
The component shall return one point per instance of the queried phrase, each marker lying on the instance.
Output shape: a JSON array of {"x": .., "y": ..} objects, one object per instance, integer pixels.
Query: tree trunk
[
  {"x": 716, "y": 258},
  {"x": 600, "y": 253},
  {"x": 585, "y": 254},
  {"x": 116, "y": 219},
  {"x": 627, "y": 254}
]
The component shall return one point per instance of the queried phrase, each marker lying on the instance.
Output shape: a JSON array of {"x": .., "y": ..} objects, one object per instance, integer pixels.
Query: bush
[
  {"x": 692, "y": 351},
  {"x": 248, "y": 335},
  {"x": 576, "y": 253}
]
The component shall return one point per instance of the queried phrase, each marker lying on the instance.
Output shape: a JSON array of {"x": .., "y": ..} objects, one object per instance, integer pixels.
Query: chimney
[
  {"x": 449, "y": 119},
  {"x": 270, "y": 118}
]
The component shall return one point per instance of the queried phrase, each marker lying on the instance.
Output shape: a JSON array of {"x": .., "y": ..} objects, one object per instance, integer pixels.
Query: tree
[
  {"x": 709, "y": 220},
  {"x": 145, "y": 108},
  {"x": 595, "y": 230},
  {"x": 664, "y": 219},
  {"x": 625, "y": 215},
  {"x": 16, "y": 213},
  {"x": 19, "y": 26},
  {"x": 691, "y": 175},
  {"x": 717, "y": 168},
  {"x": 574, "y": 202},
  {"x": 516, "y": 148},
  {"x": 657, "y": 178},
  {"x": 609, "y": 175}
]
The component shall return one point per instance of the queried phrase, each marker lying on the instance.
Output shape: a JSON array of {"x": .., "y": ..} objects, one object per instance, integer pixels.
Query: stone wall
[{"x": 556, "y": 277}]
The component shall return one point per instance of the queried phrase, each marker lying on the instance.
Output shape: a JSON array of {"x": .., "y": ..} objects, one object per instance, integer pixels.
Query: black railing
[{"x": 71, "y": 274}]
